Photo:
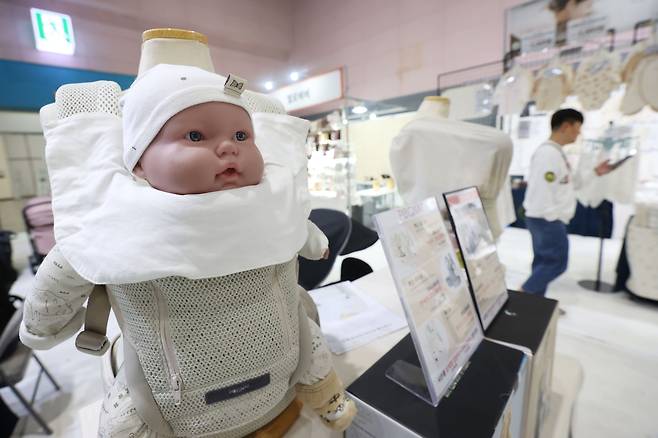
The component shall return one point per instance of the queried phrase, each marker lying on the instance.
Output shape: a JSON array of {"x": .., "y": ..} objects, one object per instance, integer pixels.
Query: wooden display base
[{"x": 281, "y": 424}]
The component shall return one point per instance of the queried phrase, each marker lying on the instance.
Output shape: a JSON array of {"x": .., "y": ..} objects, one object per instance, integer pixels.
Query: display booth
[
  {"x": 600, "y": 70},
  {"x": 453, "y": 351},
  {"x": 449, "y": 376},
  {"x": 337, "y": 178}
]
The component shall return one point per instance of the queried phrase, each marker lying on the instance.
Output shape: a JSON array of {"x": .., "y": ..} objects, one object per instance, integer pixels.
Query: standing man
[{"x": 550, "y": 200}]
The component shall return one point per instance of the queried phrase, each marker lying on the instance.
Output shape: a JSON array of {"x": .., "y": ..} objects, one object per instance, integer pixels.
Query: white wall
[{"x": 392, "y": 47}]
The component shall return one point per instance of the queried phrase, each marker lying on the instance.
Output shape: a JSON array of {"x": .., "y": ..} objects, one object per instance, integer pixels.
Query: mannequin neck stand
[
  {"x": 435, "y": 106},
  {"x": 174, "y": 46}
]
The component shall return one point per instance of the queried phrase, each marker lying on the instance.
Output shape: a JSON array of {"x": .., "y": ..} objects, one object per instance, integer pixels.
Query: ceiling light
[
  {"x": 359, "y": 109},
  {"x": 269, "y": 85},
  {"x": 294, "y": 76}
]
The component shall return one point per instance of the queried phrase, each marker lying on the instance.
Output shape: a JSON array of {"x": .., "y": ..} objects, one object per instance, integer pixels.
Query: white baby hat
[{"x": 164, "y": 91}]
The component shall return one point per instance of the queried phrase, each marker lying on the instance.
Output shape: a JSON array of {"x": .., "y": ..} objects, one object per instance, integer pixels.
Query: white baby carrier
[{"x": 205, "y": 355}]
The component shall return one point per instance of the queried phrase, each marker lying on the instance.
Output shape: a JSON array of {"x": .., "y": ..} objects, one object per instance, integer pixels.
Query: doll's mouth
[{"x": 229, "y": 172}]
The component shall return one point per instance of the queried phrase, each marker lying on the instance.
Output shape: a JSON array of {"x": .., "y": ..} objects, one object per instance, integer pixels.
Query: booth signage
[
  {"x": 312, "y": 91},
  {"x": 53, "y": 32},
  {"x": 543, "y": 24}
]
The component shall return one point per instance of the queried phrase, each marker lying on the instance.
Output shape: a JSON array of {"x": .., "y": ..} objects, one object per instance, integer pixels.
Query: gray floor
[{"x": 613, "y": 337}]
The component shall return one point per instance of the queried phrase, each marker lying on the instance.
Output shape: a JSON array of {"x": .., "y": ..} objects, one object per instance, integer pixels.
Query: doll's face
[{"x": 204, "y": 148}]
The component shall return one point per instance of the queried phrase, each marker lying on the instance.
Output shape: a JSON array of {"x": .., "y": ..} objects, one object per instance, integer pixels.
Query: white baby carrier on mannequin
[
  {"x": 432, "y": 155},
  {"x": 260, "y": 340}
]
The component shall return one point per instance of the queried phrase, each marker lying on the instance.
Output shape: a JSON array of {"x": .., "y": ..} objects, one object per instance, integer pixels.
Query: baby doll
[{"x": 214, "y": 346}]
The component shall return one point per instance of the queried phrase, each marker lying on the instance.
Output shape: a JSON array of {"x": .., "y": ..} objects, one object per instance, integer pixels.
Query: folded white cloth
[{"x": 115, "y": 229}]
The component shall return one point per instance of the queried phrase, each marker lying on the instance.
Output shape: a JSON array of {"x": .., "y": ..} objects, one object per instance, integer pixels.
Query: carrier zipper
[
  {"x": 167, "y": 346},
  {"x": 282, "y": 307}
]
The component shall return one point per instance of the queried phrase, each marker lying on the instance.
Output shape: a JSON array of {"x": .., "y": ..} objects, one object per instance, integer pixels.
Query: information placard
[
  {"x": 433, "y": 291},
  {"x": 485, "y": 273}
]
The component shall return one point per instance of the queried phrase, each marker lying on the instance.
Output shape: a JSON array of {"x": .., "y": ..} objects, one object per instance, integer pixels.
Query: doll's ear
[{"x": 139, "y": 171}]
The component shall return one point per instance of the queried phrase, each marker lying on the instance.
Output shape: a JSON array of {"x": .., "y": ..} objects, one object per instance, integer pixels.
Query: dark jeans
[{"x": 551, "y": 248}]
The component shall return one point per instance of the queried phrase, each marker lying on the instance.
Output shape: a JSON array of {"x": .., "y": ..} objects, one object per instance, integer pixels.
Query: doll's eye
[
  {"x": 240, "y": 136},
  {"x": 194, "y": 136}
]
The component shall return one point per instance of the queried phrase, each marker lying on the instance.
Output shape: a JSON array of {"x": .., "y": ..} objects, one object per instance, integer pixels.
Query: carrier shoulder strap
[{"x": 93, "y": 340}]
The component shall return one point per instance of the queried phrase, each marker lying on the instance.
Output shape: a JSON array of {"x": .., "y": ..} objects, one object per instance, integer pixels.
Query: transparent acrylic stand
[{"x": 411, "y": 378}]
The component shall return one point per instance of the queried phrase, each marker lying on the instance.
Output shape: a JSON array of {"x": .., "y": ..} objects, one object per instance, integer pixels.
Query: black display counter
[{"x": 476, "y": 407}]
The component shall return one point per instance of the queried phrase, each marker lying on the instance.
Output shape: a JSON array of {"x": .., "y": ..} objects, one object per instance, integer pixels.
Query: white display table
[{"x": 567, "y": 378}]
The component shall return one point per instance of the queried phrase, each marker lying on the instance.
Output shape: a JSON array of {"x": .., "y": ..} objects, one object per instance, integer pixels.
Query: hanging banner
[
  {"x": 313, "y": 91},
  {"x": 543, "y": 24}
]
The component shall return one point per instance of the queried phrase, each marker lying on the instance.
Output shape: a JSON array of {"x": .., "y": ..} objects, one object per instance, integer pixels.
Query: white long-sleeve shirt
[{"x": 551, "y": 185}]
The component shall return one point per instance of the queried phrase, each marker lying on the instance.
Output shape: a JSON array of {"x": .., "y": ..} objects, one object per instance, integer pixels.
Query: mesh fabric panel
[
  {"x": 260, "y": 103},
  {"x": 223, "y": 331},
  {"x": 90, "y": 97}
]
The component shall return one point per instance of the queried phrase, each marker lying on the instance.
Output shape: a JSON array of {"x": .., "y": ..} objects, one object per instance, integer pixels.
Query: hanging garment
[
  {"x": 616, "y": 142},
  {"x": 649, "y": 81},
  {"x": 616, "y": 186},
  {"x": 552, "y": 86},
  {"x": 596, "y": 78},
  {"x": 432, "y": 155},
  {"x": 513, "y": 91},
  {"x": 633, "y": 59},
  {"x": 641, "y": 76},
  {"x": 642, "y": 251}
]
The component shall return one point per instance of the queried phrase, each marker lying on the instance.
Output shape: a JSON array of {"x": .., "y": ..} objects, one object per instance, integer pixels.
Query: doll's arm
[
  {"x": 317, "y": 244},
  {"x": 54, "y": 309}
]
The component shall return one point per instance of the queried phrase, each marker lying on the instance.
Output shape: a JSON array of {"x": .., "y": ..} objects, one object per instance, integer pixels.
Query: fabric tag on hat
[{"x": 234, "y": 85}]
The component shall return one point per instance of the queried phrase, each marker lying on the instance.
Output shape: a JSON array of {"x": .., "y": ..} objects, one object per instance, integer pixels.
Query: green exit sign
[{"x": 53, "y": 32}]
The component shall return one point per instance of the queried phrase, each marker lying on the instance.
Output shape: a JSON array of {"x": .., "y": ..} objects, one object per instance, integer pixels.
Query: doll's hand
[{"x": 325, "y": 254}]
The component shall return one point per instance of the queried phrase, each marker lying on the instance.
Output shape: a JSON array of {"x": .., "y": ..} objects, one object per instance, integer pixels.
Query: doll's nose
[{"x": 226, "y": 147}]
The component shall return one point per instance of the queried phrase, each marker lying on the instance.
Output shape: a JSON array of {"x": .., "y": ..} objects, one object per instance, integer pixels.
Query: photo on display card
[
  {"x": 485, "y": 272},
  {"x": 433, "y": 290}
]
